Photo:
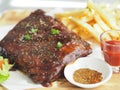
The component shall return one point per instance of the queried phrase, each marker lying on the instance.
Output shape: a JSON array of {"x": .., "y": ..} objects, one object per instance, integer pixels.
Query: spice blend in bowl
[
  {"x": 88, "y": 72},
  {"x": 87, "y": 76}
]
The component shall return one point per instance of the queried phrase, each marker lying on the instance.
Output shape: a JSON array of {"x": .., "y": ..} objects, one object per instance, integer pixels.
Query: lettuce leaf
[{"x": 4, "y": 71}]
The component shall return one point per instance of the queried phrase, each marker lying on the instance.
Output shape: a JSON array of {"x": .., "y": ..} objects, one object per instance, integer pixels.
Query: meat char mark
[{"x": 41, "y": 46}]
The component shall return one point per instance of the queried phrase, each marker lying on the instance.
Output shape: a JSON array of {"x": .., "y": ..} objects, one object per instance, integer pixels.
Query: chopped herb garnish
[
  {"x": 59, "y": 45},
  {"x": 33, "y": 30},
  {"x": 55, "y": 31},
  {"x": 27, "y": 37}
]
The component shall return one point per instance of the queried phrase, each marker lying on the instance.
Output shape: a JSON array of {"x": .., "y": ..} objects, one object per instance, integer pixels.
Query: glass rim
[{"x": 107, "y": 40}]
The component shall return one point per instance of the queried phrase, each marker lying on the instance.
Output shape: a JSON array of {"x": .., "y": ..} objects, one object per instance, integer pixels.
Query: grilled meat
[{"x": 41, "y": 46}]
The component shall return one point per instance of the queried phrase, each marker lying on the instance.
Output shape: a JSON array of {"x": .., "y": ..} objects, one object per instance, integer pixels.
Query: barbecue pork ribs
[{"x": 41, "y": 46}]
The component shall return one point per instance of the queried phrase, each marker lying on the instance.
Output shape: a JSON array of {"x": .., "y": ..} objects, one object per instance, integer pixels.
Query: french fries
[
  {"x": 87, "y": 27},
  {"x": 91, "y": 21},
  {"x": 104, "y": 14}
]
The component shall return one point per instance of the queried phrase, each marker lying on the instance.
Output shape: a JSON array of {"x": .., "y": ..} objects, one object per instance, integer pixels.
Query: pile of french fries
[{"x": 91, "y": 21}]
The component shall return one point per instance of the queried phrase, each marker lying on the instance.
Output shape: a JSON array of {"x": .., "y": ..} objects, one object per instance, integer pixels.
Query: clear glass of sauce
[{"x": 110, "y": 46}]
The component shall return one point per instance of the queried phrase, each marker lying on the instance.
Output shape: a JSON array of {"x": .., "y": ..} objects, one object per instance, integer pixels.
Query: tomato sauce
[
  {"x": 111, "y": 51},
  {"x": 1, "y": 62}
]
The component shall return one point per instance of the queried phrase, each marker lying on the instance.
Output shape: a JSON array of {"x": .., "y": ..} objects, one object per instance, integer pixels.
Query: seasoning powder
[{"x": 87, "y": 76}]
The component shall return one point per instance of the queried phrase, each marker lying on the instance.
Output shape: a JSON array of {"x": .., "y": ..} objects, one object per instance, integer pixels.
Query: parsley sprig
[
  {"x": 55, "y": 31},
  {"x": 33, "y": 30},
  {"x": 27, "y": 37},
  {"x": 59, "y": 44}
]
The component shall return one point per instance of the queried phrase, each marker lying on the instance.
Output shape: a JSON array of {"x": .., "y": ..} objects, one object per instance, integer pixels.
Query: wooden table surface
[{"x": 112, "y": 84}]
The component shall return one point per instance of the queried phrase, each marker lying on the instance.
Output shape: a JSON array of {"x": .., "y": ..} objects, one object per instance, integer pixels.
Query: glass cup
[{"x": 110, "y": 46}]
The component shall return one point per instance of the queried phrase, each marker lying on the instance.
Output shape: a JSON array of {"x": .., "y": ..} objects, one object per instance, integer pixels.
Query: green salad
[{"x": 4, "y": 69}]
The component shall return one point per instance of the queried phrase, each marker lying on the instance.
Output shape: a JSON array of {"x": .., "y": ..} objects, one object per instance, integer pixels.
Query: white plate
[
  {"x": 19, "y": 81},
  {"x": 91, "y": 63}
]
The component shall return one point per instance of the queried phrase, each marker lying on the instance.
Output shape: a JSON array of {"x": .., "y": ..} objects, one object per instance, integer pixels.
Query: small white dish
[{"x": 91, "y": 63}]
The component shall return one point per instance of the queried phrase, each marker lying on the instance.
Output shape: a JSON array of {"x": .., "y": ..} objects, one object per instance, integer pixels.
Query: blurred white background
[{"x": 34, "y": 4}]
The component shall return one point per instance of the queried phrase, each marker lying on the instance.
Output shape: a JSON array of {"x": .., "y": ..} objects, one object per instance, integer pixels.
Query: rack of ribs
[{"x": 41, "y": 46}]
